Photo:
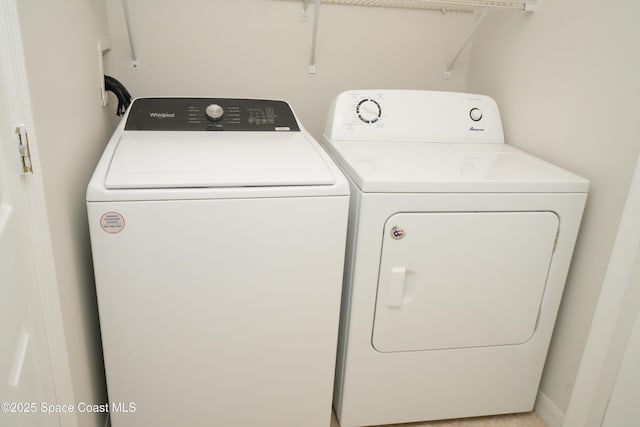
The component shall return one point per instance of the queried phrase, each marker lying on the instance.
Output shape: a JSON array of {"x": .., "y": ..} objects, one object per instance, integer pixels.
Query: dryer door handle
[{"x": 395, "y": 289}]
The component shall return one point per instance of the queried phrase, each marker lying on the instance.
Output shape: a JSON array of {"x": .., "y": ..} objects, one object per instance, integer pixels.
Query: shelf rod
[
  {"x": 316, "y": 17},
  {"x": 448, "y": 5},
  {"x": 481, "y": 18},
  {"x": 127, "y": 19}
]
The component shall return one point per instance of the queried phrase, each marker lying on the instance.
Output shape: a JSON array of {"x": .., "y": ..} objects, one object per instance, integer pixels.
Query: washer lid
[
  {"x": 172, "y": 159},
  {"x": 450, "y": 168}
]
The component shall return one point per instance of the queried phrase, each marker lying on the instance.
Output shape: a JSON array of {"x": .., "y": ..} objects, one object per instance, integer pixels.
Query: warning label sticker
[{"x": 112, "y": 222}]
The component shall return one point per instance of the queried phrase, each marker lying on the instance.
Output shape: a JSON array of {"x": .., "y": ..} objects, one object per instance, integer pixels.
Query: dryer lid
[
  {"x": 450, "y": 168},
  {"x": 173, "y": 159}
]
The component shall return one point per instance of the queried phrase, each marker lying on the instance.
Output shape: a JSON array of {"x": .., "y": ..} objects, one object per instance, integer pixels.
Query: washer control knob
[
  {"x": 475, "y": 114},
  {"x": 368, "y": 110},
  {"x": 214, "y": 112}
]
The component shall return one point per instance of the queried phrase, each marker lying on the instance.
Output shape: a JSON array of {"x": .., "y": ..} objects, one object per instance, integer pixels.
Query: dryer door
[{"x": 461, "y": 279}]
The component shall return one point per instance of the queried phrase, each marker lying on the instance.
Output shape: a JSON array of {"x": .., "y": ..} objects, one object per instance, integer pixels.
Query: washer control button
[
  {"x": 214, "y": 112},
  {"x": 475, "y": 114}
]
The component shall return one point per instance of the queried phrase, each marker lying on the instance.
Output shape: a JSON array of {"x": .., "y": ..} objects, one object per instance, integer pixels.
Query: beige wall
[
  {"x": 566, "y": 79},
  {"x": 59, "y": 40},
  {"x": 260, "y": 48}
]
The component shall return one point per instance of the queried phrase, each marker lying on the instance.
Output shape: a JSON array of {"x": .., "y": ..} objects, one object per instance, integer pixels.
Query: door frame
[
  {"x": 12, "y": 59},
  {"x": 617, "y": 308}
]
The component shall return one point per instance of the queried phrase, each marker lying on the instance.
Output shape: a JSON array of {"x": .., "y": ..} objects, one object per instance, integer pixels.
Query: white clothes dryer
[
  {"x": 218, "y": 229},
  {"x": 458, "y": 250}
]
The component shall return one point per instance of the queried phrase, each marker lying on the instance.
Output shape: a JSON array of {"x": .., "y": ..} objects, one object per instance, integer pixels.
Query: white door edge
[
  {"x": 13, "y": 60},
  {"x": 617, "y": 307}
]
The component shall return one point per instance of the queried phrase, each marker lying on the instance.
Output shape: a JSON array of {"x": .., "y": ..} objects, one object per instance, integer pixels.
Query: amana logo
[
  {"x": 162, "y": 115},
  {"x": 476, "y": 129}
]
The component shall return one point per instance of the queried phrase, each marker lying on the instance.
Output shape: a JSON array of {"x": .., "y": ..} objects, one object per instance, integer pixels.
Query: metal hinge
[{"x": 23, "y": 148}]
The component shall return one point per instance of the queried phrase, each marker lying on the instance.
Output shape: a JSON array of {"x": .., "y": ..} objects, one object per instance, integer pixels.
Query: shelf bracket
[
  {"x": 314, "y": 37},
  {"x": 441, "y": 5},
  {"x": 135, "y": 63},
  {"x": 481, "y": 18}
]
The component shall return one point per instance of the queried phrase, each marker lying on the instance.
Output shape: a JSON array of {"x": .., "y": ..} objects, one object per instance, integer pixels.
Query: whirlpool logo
[
  {"x": 476, "y": 129},
  {"x": 162, "y": 115}
]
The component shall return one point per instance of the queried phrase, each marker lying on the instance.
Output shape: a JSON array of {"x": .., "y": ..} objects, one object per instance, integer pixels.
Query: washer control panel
[{"x": 210, "y": 114}]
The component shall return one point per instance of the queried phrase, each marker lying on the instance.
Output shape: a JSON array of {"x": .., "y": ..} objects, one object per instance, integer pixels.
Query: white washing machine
[
  {"x": 458, "y": 250},
  {"x": 218, "y": 230}
]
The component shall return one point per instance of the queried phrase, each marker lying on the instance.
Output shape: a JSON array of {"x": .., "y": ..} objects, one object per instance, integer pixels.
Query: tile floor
[{"x": 528, "y": 419}]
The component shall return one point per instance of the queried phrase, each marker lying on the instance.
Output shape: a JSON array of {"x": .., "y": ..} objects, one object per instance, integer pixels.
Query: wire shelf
[{"x": 442, "y": 5}]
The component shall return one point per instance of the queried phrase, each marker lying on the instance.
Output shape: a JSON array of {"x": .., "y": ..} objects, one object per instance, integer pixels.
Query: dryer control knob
[
  {"x": 214, "y": 112},
  {"x": 475, "y": 114},
  {"x": 368, "y": 110}
]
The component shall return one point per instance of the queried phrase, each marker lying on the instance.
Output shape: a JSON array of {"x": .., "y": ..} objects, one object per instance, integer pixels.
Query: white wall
[
  {"x": 260, "y": 48},
  {"x": 70, "y": 129},
  {"x": 566, "y": 79}
]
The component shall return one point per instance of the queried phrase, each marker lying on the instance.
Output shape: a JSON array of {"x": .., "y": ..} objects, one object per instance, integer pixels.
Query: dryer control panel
[
  {"x": 210, "y": 114},
  {"x": 414, "y": 116}
]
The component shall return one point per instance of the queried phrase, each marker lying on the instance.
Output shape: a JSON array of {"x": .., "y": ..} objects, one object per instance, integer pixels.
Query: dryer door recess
[{"x": 461, "y": 279}]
